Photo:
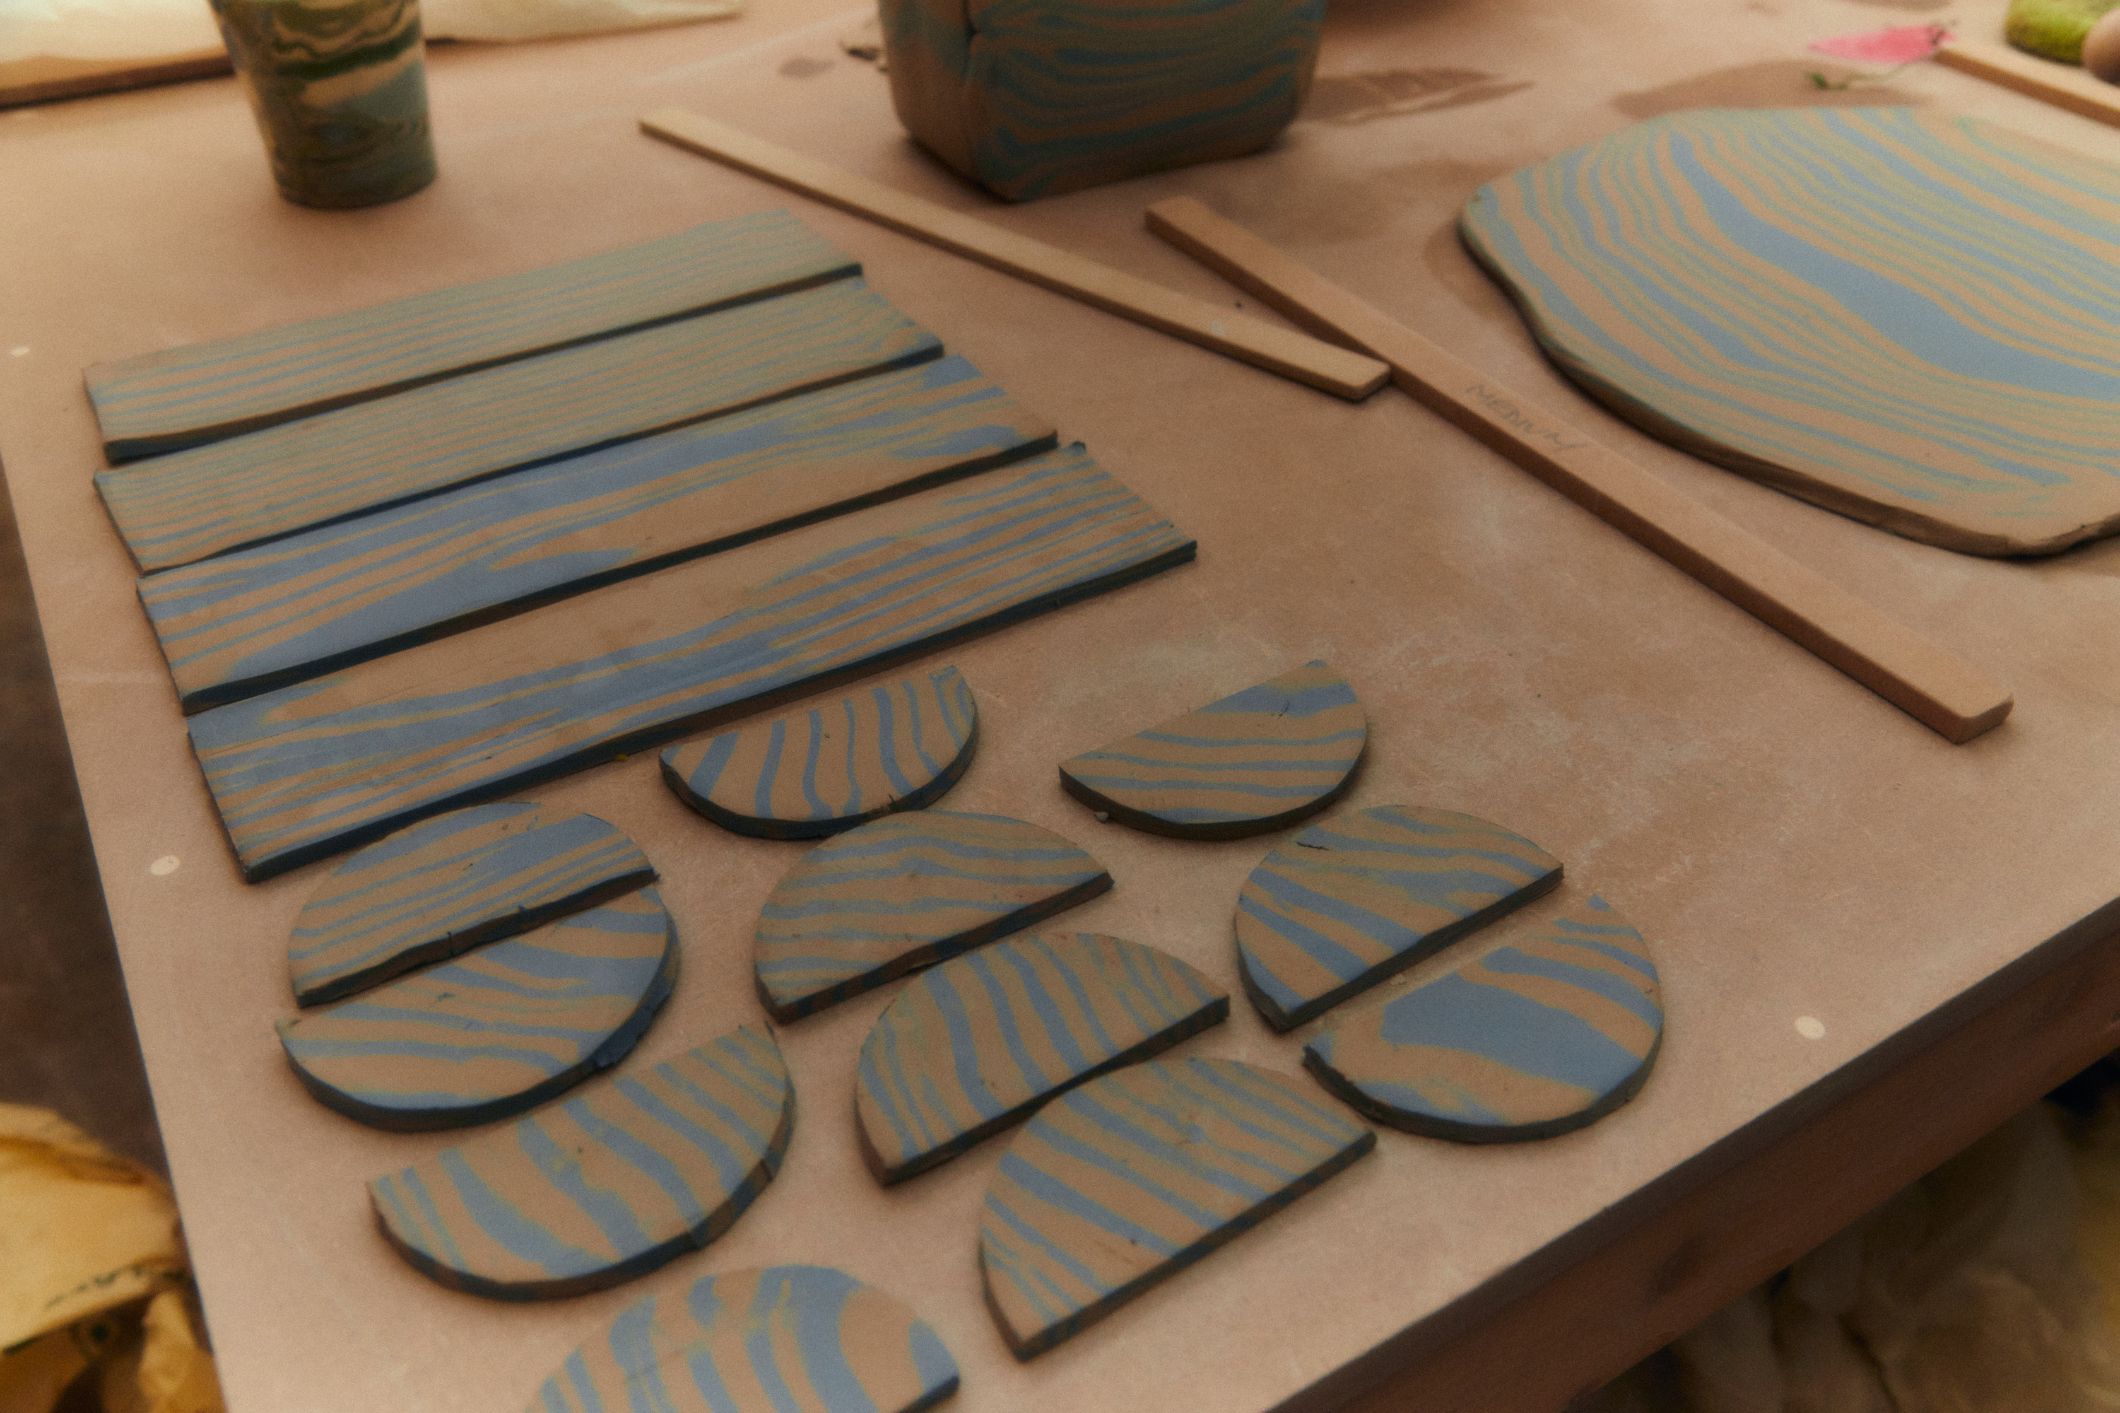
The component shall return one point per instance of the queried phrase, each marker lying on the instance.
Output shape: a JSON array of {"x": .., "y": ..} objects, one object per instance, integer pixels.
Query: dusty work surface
[{"x": 1819, "y": 874}]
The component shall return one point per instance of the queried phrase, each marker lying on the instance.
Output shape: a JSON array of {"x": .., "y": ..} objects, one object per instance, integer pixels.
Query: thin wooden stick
[
  {"x": 1936, "y": 687},
  {"x": 2044, "y": 79},
  {"x": 1292, "y": 355}
]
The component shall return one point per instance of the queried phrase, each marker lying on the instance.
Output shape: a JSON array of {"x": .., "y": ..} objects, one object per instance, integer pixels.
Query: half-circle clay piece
[
  {"x": 633, "y": 1169},
  {"x": 1258, "y": 760},
  {"x": 973, "y": 1045},
  {"x": 897, "y": 745},
  {"x": 1552, "y": 1030},
  {"x": 904, "y": 892}
]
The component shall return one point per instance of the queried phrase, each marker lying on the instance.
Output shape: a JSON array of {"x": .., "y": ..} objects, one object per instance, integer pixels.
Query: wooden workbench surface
[{"x": 1826, "y": 882}]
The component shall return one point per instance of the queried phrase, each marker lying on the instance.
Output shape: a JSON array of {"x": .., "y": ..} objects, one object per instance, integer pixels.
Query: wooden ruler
[
  {"x": 1292, "y": 355},
  {"x": 2063, "y": 85},
  {"x": 1936, "y": 687}
]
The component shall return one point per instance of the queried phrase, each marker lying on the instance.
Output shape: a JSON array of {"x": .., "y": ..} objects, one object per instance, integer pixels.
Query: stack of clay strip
[
  {"x": 475, "y": 966},
  {"x": 727, "y": 448},
  {"x": 1255, "y": 761},
  {"x": 789, "y": 1337},
  {"x": 897, "y": 744}
]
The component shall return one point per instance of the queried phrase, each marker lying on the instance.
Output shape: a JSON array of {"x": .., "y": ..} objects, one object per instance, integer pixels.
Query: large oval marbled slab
[
  {"x": 977, "y": 1043},
  {"x": 1138, "y": 1174},
  {"x": 904, "y": 892},
  {"x": 1550, "y": 1031},
  {"x": 497, "y": 1031},
  {"x": 1911, "y": 319},
  {"x": 440, "y": 888},
  {"x": 806, "y": 1338},
  {"x": 897, "y": 745},
  {"x": 1356, "y": 897},
  {"x": 608, "y": 1184},
  {"x": 1254, "y": 761}
]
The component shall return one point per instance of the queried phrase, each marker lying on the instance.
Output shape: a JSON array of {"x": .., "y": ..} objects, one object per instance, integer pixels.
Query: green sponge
[{"x": 2054, "y": 29}]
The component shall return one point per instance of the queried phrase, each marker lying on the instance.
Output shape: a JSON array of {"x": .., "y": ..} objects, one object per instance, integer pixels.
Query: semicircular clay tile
[
  {"x": 975, "y": 1044},
  {"x": 497, "y": 1031},
  {"x": 898, "y": 745},
  {"x": 1358, "y": 896},
  {"x": 1913, "y": 320},
  {"x": 608, "y": 1184},
  {"x": 1260, "y": 759},
  {"x": 1128, "y": 1179},
  {"x": 903, "y": 892},
  {"x": 1550, "y": 1031},
  {"x": 759, "y": 1341},
  {"x": 444, "y": 886}
]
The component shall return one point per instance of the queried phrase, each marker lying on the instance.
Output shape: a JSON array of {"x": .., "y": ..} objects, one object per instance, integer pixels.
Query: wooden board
[
  {"x": 1551, "y": 1030},
  {"x": 904, "y": 892},
  {"x": 657, "y": 1161},
  {"x": 1130, "y": 1178},
  {"x": 1366, "y": 893},
  {"x": 2063, "y": 85},
  {"x": 1277, "y": 350},
  {"x": 497, "y": 1031},
  {"x": 1912, "y": 320},
  {"x": 175, "y": 509},
  {"x": 894, "y": 745},
  {"x": 1936, "y": 687},
  {"x": 292, "y": 608},
  {"x": 759, "y": 1341},
  {"x": 201, "y": 392},
  {"x": 319, "y": 767},
  {"x": 979, "y": 1042},
  {"x": 1255, "y": 761},
  {"x": 442, "y": 887}
]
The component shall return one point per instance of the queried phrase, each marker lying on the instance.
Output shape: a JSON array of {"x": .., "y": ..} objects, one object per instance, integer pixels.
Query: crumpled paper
[
  {"x": 93, "y": 1279},
  {"x": 1991, "y": 1284}
]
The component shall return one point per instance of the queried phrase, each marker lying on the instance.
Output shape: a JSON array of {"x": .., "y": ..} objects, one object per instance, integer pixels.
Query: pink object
[{"x": 1900, "y": 44}]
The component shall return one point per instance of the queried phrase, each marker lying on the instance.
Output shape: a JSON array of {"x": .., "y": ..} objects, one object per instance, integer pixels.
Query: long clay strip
[
  {"x": 290, "y": 609},
  {"x": 201, "y": 392},
  {"x": 1938, "y": 688},
  {"x": 321, "y": 766},
  {"x": 188, "y": 505},
  {"x": 1292, "y": 355}
]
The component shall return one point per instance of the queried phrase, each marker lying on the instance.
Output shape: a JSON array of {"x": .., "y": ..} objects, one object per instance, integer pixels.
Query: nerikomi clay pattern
[
  {"x": 1907, "y": 318},
  {"x": 903, "y": 892},
  {"x": 497, "y": 1031},
  {"x": 439, "y": 888},
  {"x": 805, "y": 1338},
  {"x": 1550, "y": 1031},
  {"x": 1128, "y": 1179},
  {"x": 1258, "y": 760},
  {"x": 899, "y": 744},
  {"x": 204, "y": 501},
  {"x": 1361, "y": 895},
  {"x": 201, "y": 392},
  {"x": 608, "y": 1184},
  {"x": 977, "y": 1043}
]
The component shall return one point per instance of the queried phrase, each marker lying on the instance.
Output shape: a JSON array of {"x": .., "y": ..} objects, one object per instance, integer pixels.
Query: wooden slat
[
  {"x": 183, "y": 507},
  {"x": 1938, "y": 688},
  {"x": 1277, "y": 350},
  {"x": 315, "y": 768},
  {"x": 2062, "y": 85},
  {"x": 289, "y": 609},
  {"x": 206, "y": 391}
]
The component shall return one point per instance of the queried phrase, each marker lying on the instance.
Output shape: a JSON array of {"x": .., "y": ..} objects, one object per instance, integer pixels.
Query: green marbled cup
[{"x": 339, "y": 88}]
